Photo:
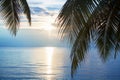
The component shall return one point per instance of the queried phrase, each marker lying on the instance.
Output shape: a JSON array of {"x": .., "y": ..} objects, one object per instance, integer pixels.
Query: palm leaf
[
  {"x": 108, "y": 20},
  {"x": 73, "y": 20},
  {"x": 74, "y": 15},
  {"x": 10, "y": 10},
  {"x": 26, "y": 10},
  {"x": 90, "y": 20}
]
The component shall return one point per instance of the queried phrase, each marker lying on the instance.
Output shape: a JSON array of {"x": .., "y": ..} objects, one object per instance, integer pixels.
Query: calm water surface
[{"x": 53, "y": 63}]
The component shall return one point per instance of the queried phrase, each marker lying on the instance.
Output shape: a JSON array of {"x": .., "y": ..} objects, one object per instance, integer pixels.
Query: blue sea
[{"x": 53, "y": 63}]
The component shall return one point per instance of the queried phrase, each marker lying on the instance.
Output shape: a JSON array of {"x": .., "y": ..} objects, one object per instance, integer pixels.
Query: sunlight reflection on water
[
  {"x": 49, "y": 61},
  {"x": 33, "y": 63}
]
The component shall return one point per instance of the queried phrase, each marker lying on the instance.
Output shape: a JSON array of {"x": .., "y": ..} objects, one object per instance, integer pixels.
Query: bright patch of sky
[{"x": 44, "y": 12}]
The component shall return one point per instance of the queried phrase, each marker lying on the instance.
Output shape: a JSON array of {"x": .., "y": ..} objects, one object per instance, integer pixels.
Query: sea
[{"x": 54, "y": 63}]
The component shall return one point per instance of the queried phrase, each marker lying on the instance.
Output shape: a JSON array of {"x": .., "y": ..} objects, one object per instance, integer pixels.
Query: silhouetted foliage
[
  {"x": 84, "y": 21},
  {"x": 11, "y": 10}
]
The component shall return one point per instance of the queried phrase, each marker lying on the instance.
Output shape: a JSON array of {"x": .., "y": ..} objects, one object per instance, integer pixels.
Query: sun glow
[
  {"x": 43, "y": 22},
  {"x": 48, "y": 25},
  {"x": 48, "y": 28}
]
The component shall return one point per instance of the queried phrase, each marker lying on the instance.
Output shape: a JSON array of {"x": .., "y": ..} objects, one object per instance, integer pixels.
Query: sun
[{"x": 48, "y": 28}]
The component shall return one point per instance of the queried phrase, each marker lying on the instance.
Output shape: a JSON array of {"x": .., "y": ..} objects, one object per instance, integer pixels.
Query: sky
[{"x": 43, "y": 31}]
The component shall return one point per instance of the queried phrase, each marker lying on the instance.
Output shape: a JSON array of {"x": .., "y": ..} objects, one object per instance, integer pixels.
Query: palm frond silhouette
[
  {"x": 84, "y": 21},
  {"x": 11, "y": 10}
]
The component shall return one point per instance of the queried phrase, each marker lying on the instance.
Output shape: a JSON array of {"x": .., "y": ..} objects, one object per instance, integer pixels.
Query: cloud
[
  {"x": 38, "y": 11},
  {"x": 44, "y": 10},
  {"x": 47, "y": 3},
  {"x": 38, "y": 21},
  {"x": 40, "y": 18}
]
